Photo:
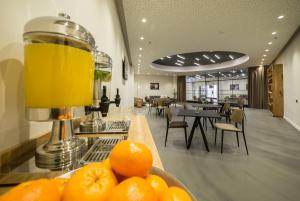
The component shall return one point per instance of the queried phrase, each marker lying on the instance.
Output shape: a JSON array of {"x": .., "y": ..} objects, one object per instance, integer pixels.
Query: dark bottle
[
  {"x": 118, "y": 98},
  {"x": 104, "y": 104}
]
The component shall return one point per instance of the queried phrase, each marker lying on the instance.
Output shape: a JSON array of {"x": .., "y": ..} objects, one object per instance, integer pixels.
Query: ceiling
[{"x": 179, "y": 26}]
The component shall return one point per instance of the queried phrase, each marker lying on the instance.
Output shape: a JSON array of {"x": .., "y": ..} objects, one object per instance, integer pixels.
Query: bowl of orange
[{"x": 127, "y": 175}]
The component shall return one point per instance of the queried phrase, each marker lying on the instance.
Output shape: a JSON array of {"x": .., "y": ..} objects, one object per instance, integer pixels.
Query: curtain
[
  {"x": 181, "y": 89},
  {"x": 257, "y": 87}
]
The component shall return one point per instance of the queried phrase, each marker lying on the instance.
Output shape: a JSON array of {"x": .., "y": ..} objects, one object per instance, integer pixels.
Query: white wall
[
  {"x": 290, "y": 59},
  {"x": 98, "y": 16},
  {"x": 167, "y": 84}
]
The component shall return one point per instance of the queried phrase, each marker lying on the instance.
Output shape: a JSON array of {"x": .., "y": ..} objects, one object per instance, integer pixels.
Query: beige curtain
[
  {"x": 257, "y": 91},
  {"x": 181, "y": 89}
]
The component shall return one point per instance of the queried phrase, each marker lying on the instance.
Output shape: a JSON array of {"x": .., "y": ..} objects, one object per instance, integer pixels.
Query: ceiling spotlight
[
  {"x": 180, "y": 61},
  {"x": 139, "y": 60},
  {"x": 178, "y": 64},
  {"x": 217, "y": 56},
  {"x": 274, "y": 33},
  {"x": 230, "y": 56},
  {"x": 197, "y": 64},
  {"x": 264, "y": 55},
  {"x": 212, "y": 60},
  {"x": 262, "y": 59},
  {"x": 205, "y": 56},
  {"x": 266, "y": 50},
  {"x": 197, "y": 59},
  {"x": 181, "y": 57},
  {"x": 144, "y": 20},
  {"x": 241, "y": 71},
  {"x": 139, "y": 64},
  {"x": 233, "y": 71},
  {"x": 141, "y": 48},
  {"x": 142, "y": 38},
  {"x": 140, "y": 55},
  {"x": 243, "y": 74},
  {"x": 280, "y": 17},
  {"x": 169, "y": 57},
  {"x": 270, "y": 43}
]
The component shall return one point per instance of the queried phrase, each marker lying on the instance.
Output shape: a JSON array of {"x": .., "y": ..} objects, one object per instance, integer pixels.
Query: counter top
[{"x": 139, "y": 131}]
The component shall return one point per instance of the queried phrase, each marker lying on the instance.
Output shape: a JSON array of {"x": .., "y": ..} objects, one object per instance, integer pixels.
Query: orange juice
[{"x": 57, "y": 76}]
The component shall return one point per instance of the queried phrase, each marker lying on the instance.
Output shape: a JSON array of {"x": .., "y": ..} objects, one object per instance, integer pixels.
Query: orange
[
  {"x": 37, "y": 190},
  {"x": 175, "y": 193},
  {"x": 133, "y": 189},
  {"x": 130, "y": 159},
  {"x": 106, "y": 163},
  {"x": 157, "y": 183},
  {"x": 60, "y": 183},
  {"x": 93, "y": 182}
]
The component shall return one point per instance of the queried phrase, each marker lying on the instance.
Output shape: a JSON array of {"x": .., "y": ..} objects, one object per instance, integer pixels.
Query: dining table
[{"x": 210, "y": 114}]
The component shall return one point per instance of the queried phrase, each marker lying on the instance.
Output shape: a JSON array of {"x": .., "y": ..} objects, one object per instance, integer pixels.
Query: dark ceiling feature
[{"x": 198, "y": 58}]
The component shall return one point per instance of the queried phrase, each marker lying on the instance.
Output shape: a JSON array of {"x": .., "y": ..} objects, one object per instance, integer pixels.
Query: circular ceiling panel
[{"x": 200, "y": 61}]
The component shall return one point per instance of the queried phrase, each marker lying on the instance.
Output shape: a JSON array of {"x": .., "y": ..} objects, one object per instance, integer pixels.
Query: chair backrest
[
  {"x": 226, "y": 107},
  {"x": 169, "y": 114},
  {"x": 161, "y": 102},
  {"x": 237, "y": 116}
]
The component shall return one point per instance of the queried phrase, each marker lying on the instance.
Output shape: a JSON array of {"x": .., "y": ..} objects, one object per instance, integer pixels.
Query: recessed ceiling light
[
  {"x": 230, "y": 56},
  {"x": 217, "y": 56},
  {"x": 144, "y": 20},
  {"x": 142, "y": 38},
  {"x": 197, "y": 59},
  {"x": 181, "y": 57},
  {"x": 212, "y": 60},
  {"x": 178, "y": 64},
  {"x": 205, "y": 56},
  {"x": 243, "y": 74},
  {"x": 280, "y": 17},
  {"x": 241, "y": 71},
  {"x": 169, "y": 57},
  {"x": 197, "y": 64},
  {"x": 270, "y": 43},
  {"x": 264, "y": 55},
  {"x": 139, "y": 60},
  {"x": 140, "y": 55},
  {"x": 274, "y": 33},
  {"x": 266, "y": 50},
  {"x": 262, "y": 59},
  {"x": 180, "y": 61},
  {"x": 141, "y": 48}
]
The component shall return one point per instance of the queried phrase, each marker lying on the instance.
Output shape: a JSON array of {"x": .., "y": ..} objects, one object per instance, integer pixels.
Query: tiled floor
[{"x": 271, "y": 172}]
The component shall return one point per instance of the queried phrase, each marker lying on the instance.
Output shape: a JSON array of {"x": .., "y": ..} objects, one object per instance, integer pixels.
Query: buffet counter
[{"x": 138, "y": 131}]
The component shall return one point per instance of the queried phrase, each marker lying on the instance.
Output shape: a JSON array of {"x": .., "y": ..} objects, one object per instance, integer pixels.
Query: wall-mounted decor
[
  {"x": 234, "y": 87},
  {"x": 124, "y": 69},
  {"x": 154, "y": 86}
]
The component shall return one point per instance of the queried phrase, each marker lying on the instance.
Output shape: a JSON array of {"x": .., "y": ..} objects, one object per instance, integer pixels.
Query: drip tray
[
  {"x": 111, "y": 127},
  {"x": 101, "y": 149}
]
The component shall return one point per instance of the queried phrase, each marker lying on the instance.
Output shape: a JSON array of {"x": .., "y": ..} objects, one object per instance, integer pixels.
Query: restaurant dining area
[{"x": 149, "y": 100}]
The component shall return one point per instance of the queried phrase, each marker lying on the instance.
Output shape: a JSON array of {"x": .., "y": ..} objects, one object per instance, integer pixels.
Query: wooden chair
[
  {"x": 225, "y": 111},
  {"x": 237, "y": 118},
  {"x": 174, "y": 124},
  {"x": 160, "y": 109}
]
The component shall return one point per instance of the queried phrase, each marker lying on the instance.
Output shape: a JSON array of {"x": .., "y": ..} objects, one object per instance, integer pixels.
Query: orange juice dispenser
[{"x": 59, "y": 76}]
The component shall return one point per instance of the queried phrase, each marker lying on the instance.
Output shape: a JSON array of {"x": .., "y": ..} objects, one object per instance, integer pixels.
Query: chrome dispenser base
[
  {"x": 63, "y": 151},
  {"x": 93, "y": 123}
]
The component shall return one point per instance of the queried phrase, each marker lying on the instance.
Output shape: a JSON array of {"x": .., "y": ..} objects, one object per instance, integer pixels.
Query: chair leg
[
  {"x": 222, "y": 141},
  {"x": 245, "y": 142},
  {"x": 216, "y": 133},
  {"x": 185, "y": 136},
  {"x": 237, "y": 139},
  {"x": 166, "y": 136}
]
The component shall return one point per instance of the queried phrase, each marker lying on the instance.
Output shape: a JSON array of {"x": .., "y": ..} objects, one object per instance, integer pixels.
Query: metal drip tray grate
[
  {"x": 112, "y": 126},
  {"x": 100, "y": 150}
]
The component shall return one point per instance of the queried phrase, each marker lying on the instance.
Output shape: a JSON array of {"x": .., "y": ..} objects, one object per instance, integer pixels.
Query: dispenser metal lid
[
  {"x": 102, "y": 60},
  {"x": 54, "y": 28}
]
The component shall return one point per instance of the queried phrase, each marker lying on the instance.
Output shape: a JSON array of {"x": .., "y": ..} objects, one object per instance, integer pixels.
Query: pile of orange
[{"x": 124, "y": 176}]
